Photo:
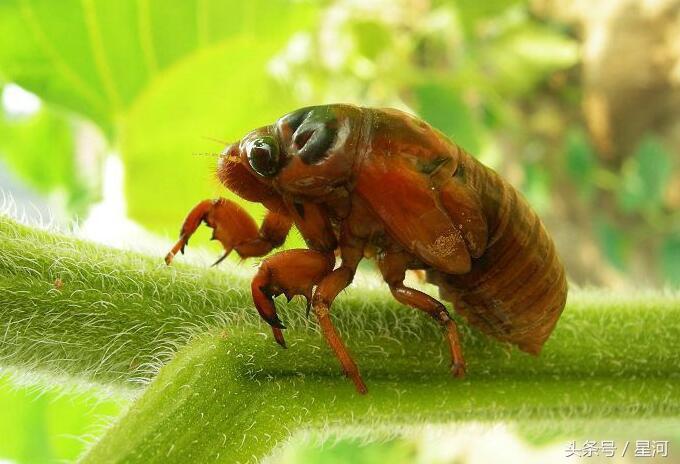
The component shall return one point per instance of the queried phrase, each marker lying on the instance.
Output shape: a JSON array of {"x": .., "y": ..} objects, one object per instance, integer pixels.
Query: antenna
[{"x": 212, "y": 139}]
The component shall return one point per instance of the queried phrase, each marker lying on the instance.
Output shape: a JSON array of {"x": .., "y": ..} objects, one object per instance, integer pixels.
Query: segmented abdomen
[{"x": 517, "y": 289}]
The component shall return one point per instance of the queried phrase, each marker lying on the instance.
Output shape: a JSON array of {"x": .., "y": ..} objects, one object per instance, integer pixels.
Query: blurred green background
[{"x": 112, "y": 113}]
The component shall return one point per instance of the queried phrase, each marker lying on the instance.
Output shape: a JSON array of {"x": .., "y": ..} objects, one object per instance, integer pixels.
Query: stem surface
[{"x": 231, "y": 394}]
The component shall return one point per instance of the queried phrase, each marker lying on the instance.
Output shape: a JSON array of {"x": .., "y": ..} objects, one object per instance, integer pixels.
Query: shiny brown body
[
  {"x": 379, "y": 183},
  {"x": 516, "y": 290}
]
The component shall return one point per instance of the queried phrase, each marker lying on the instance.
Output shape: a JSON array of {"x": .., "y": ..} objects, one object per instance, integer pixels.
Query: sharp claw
[
  {"x": 355, "y": 377},
  {"x": 361, "y": 387},
  {"x": 220, "y": 259},
  {"x": 198, "y": 215},
  {"x": 179, "y": 246},
  {"x": 278, "y": 336},
  {"x": 458, "y": 369}
]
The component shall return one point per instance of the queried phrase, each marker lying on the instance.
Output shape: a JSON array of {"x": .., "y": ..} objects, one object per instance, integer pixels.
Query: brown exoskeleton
[{"x": 352, "y": 178}]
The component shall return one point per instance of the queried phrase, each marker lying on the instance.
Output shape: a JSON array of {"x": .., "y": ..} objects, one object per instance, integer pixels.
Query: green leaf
[
  {"x": 158, "y": 80},
  {"x": 52, "y": 55},
  {"x": 525, "y": 54},
  {"x": 372, "y": 37},
  {"x": 441, "y": 105},
  {"x": 645, "y": 177},
  {"x": 221, "y": 93},
  {"x": 613, "y": 242},
  {"x": 40, "y": 150},
  {"x": 95, "y": 57},
  {"x": 472, "y": 12},
  {"x": 41, "y": 425},
  {"x": 537, "y": 186},
  {"x": 580, "y": 162},
  {"x": 670, "y": 259}
]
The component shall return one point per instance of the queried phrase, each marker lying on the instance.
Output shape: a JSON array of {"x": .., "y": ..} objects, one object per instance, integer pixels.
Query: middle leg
[
  {"x": 351, "y": 252},
  {"x": 393, "y": 268}
]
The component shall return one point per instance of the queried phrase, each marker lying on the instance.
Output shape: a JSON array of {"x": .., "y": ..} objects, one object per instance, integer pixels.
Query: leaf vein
[
  {"x": 99, "y": 54},
  {"x": 145, "y": 36},
  {"x": 78, "y": 84}
]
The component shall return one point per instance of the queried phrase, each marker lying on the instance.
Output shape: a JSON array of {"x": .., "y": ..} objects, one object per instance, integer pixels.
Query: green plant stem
[
  {"x": 69, "y": 307},
  {"x": 234, "y": 400},
  {"x": 232, "y": 395}
]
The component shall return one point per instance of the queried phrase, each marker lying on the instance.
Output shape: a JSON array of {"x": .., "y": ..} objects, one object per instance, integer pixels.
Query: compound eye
[{"x": 263, "y": 156}]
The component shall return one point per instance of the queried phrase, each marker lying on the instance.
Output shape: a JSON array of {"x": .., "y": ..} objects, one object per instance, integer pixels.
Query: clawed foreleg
[
  {"x": 234, "y": 228},
  {"x": 289, "y": 273}
]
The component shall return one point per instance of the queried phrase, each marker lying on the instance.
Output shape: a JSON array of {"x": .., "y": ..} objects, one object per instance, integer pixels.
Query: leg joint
[
  {"x": 321, "y": 310},
  {"x": 443, "y": 316}
]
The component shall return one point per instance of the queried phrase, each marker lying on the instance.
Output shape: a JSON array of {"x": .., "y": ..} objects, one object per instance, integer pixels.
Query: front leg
[
  {"x": 291, "y": 272},
  {"x": 234, "y": 228},
  {"x": 297, "y": 272}
]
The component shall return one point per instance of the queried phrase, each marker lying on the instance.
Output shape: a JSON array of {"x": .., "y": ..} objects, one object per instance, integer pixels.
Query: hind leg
[{"x": 393, "y": 268}]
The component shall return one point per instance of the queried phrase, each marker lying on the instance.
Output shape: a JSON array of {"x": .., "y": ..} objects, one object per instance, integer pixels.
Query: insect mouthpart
[{"x": 229, "y": 156}]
